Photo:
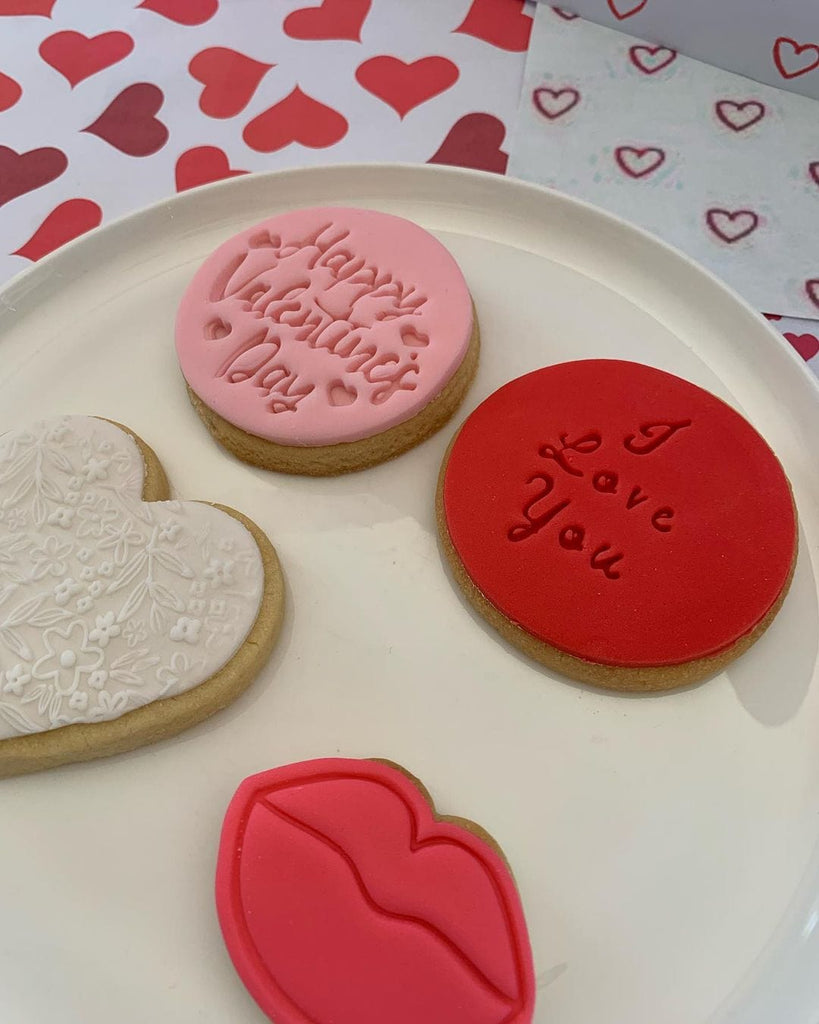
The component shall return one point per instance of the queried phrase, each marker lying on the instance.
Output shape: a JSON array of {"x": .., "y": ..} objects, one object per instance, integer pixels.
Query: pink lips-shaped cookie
[{"x": 343, "y": 899}]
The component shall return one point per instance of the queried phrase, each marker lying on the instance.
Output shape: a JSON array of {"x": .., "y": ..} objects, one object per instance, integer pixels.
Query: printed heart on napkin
[
  {"x": 128, "y": 122},
  {"x": 67, "y": 221},
  {"x": 623, "y": 9},
  {"x": 474, "y": 141},
  {"x": 637, "y": 163},
  {"x": 793, "y": 59},
  {"x": 731, "y": 226},
  {"x": 343, "y": 863},
  {"x": 10, "y": 92},
  {"x": 739, "y": 116},
  {"x": 501, "y": 23},
  {"x": 296, "y": 118},
  {"x": 23, "y": 172},
  {"x": 41, "y": 7},
  {"x": 230, "y": 80},
  {"x": 651, "y": 59},
  {"x": 108, "y": 603},
  {"x": 554, "y": 103},
  {"x": 333, "y": 19},
  {"x": 405, "y": 86},
  {"x": 813, "y": 170},
  {"x": 201, "y": 166},
  {"x": 77, "y": 57},
  {"x": 807, "y": 345},
  {"x": 812, "y": 290},
  {"x": 183, "y": 12},
  {"x": 565, "y": 15}
]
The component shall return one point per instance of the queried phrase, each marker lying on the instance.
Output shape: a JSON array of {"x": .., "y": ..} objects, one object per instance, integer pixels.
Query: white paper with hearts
[{"x": 720, "y": 166}]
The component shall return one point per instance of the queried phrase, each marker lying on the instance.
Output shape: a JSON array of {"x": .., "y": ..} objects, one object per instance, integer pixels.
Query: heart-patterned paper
[
  {"x": 296, "y": 118},
  {"x": 77, "y": 57},
  {"x": 65, "y": 222},
  {"x": 474, "y": 141},
  {"x": 405, "y": 86},
  {"x": 503, "y": 23},
  {"x": 332, "y": 19},
  {"x": 554, "y": 103},
  {"x": 230, "y": 80},
  {"x": 10, "y": 92},
  {"x": 201, "y": 166},
  {"x": 129, "y": 122},
  {"x": 23, "y": 172},
  {"x": 108, "y": 603},
  {"x": 739, "y": 116}
]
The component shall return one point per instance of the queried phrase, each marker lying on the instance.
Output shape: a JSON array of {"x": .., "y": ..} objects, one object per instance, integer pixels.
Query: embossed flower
[
  {"x": 120, "y": 538},
  {"x": 169, "y": 675},
  {"x": 219, "y": 572},
  {"x": 16, "y": 678},
  {"x": 78, "y": 701},
  {"x": 105, "y": 630},
  {"x": 196, "y": 606},
  {"x": 96, "y": 469},
  {"x": 87, "y": 572},
  {"x": 16, "y": 518},
  {"x": 57, "y": 433},
  {"x": 95, "y": 517},
  {"x": 96, "y": 588},
  {"x": 105, "y": 569},
  {"x": 98, "y": 679},
  {"x": 134, "y": 632},
  {"x": 111, "y": 704},
  {"x": 74, "y": 483},
  {"x": 68, "y": 657},
  {"x": 65, "y": 590},
  {"x": 85, "y": 604},
  {"x": 62, "y": 517},
  {"x": 72, "y": 498},
  {"x": 198, "y": 588},
  {"x": 186, "y": 629},
  {"x": 105, "y": 447},
  {"x": 169, "y": 530},
  {"x": 217, "y": 607},
  {"x": 49, "y": 558},
  {"x": 83, "y": 554}
]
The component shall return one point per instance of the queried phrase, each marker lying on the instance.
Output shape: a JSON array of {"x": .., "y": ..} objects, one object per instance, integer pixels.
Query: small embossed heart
[
  {"x": 183, "y": 12},
  {"x": 339, "y": 394},
  {"x": 405, "y": 86},
  {"x": 296, "y": 118},
  {"x": 651, "y": 59},
  {"x": 636, "y": 162},
  {"x": 332, "y": 19},
  {"x": 202, "y": 165},
  {"x": 739, "y": 116},
  {"x": 23, "y": 172},
  {"x": 67, "y": 221},
  {"x": 128, "y": 122},
  {"x": 10, "y": 92},
  {"x": 732, "y": 225},
  {"x": 554, "y": 103},
  {"x": 621, "y": 10},
  {"x": 501, "y": 23},
  {"x": 474, "y": 141},
  {"x": 793, "y": 59},
  {"x": 807, "y": 345},
  {"x": 76, "y": 56},
  {"x": 230, "y": 79}
]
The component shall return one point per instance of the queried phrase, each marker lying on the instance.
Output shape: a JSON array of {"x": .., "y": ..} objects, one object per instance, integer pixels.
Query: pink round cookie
[{"x": 326, "y": 327}]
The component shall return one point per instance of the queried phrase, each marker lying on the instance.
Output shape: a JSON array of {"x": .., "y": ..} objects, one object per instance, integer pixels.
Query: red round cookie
[{"x": 619, "y": 514}]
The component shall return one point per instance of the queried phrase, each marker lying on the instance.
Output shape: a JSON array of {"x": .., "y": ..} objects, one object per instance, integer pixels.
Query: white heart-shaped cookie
[{"x": 123, "y": 617}]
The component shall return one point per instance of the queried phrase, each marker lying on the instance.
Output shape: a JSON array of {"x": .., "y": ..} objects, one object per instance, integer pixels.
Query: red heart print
[
  {"x": 76, "y": 56},
  {"x": 333, "y": 19},
  {"x": 651, "y": 59},
  {"x": 41, "y": 7},
  {"x": 813, "y": 170},
  {"x": 501, "y": 23},
  {"x": 406, "y": 86},
  {"x": 554, "y": 103},
  {"x": 23, "y": 172},
  {"x": 202, "y": 165},
  {"x": 772, "y": 316},
  {"x": 812, "y": 289},
  {"x": 10, "y": 92},
  {"x": 183, "y": 12},
  {"x": 474, "y": 141},
  {"x": 739, "y": 116},
  {"x": 732, "y": 225},
  {"x": 565, "y": 15},
  {"x": 296, "y": 118},
  {"x": 790, "y": 63},
  {"x": 230, "y": 80},
  {"x": 807, "y": 345},
  {"x": 128, "y": 123},
  {"x": 67, "y": 221},
  {"x": 637, "y": 163},
  {"x": 621, "y": 11}
]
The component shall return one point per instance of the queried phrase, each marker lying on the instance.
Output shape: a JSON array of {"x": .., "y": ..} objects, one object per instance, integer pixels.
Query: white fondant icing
[{"x": 107, "y": 602}]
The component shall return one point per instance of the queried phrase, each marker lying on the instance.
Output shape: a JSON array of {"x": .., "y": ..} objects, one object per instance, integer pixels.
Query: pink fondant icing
[{"x": 324, "y": 325}]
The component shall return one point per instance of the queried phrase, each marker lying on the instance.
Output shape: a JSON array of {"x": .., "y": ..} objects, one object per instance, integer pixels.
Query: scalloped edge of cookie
[{"x": 169, "y": 716}]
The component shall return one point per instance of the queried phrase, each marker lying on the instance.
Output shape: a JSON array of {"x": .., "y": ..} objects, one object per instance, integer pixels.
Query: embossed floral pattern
[{"x": 98, "y": 589}]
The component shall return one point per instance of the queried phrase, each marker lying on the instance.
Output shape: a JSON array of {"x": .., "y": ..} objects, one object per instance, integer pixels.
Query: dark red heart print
[
  {"x": 343, "y": 899},
  {"x": 296, "y": 118},
  {"x": 636, "y": 497},
  {"x": 10, "y": 92},
  {"x": 66, "y": 222},
  {"x": 230, "y": 79},
  {"x": 731, "y": 225},
  {"x": 183, "y": 12},
  {"x": 405, "y": 86},
  {"x": 12, "y": 7},
  {"x": 76, "y": 56},
  {"x": 201, "y": 166},
  {"x": 739, "y": 116},
  {"x": 554, "y": 103},
  {"x": 651, "y": 59},
  {"x": 807, "y": 345},
  {"x": 501, "y": 23},
  {"x": 637, "y": 162},
  {"x": 23, "y": 172},
  {"x": 129, "y": 123},
  {"x": 475, "y": 141},
  {"x": 622, "y": 9},
  {"x": 333, "y": 19},
  {"x": 793, "y": 59}
]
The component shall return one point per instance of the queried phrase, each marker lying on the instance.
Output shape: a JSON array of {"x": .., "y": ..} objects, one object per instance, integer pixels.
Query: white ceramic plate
[{"x": 665, "y": 847}]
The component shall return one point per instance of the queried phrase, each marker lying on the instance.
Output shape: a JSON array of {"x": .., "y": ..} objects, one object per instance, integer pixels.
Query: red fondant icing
[
  {"x": 619, "y": 513},
  {"x": 342, "y": 899}
]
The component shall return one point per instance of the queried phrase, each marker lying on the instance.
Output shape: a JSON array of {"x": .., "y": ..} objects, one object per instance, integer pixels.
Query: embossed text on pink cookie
[{"x": 324, "y": 326}]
